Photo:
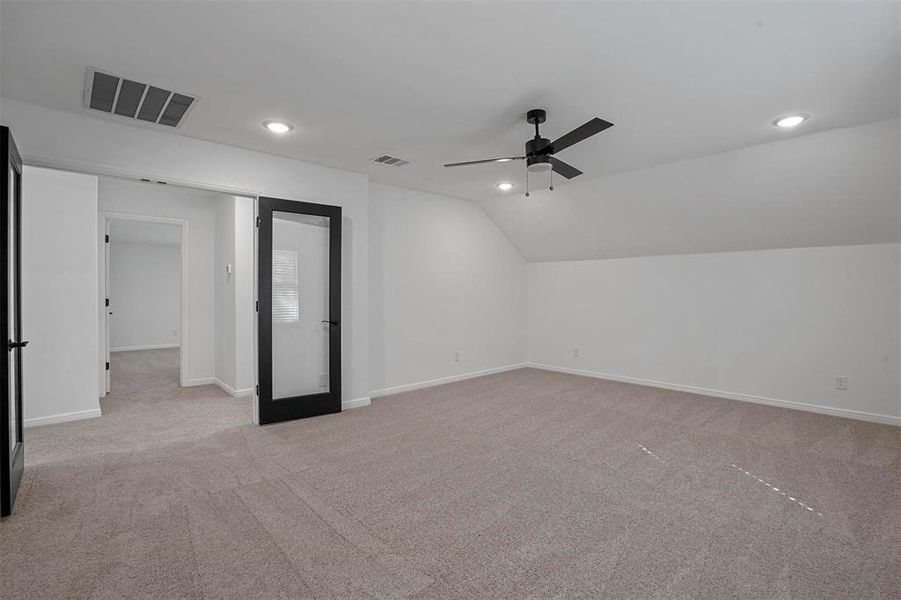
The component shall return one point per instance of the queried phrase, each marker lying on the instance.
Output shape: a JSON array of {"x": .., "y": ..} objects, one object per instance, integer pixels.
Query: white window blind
[{"x": 285, "y": 287}]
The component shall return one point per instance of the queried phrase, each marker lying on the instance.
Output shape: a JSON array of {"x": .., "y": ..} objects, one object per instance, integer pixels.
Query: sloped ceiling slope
[{"x": 832, "y": 188}]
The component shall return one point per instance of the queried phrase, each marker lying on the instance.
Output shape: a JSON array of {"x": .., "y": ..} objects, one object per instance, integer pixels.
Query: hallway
[
  {"x": 146, "y": 409},
  {"x": 136, "y": 372}
]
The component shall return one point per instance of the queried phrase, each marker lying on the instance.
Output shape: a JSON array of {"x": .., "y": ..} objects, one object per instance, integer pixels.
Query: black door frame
[
  {"x": 310, "y": 405},
  {"x": 13, "y": 461}
]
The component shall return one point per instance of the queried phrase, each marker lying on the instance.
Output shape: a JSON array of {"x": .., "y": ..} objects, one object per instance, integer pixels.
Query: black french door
[
  {"x": 12, "y": 446},
  {"x": 299, "y": 310}
]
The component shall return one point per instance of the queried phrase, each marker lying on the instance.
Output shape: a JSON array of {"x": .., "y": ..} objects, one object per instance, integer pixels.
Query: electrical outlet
[
  {"x": 456, "y": 357},
  {"x": 576, "y": 353},
  {"x": 841, "y": 382}
]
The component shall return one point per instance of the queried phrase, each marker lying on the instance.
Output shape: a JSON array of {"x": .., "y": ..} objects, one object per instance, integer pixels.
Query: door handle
[
  {"x": 13, "y": 345},
  {"x": 329, "y": 322}
]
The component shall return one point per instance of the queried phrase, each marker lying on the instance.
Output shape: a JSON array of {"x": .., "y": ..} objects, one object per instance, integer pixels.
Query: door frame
[
  {"x": 13, "y": 461},
  {"x": 316, "y": 404},
  {"x": 184, "y": 350}
]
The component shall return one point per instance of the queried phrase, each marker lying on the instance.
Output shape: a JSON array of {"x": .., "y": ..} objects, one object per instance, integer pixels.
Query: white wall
[
  {"x": 59, "y": 295},
  {"x": 771, "y": 324},
  {"x": 224, "y": 292},
  {"x": 234, "y": 294},
  {"x": 245, "y": 295},
  {"x": 83, "y": 143},
  {"x": 444, "y": 280},
  {"x": 198, "y": 208},
  {"x": 145, "y": 293}
]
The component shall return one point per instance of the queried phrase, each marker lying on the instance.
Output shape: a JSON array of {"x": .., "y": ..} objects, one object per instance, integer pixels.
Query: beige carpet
[{"x": 522, "y": 484}]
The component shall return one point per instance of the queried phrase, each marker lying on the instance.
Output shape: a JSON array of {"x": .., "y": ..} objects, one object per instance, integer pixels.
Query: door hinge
[
  {"x": 107, "y": 238},
  {"x": 107, "y": 366},
  {"x": 258, "y": 306},
  {"x": 107, "y": 301},
  {"x": 258, "y": 221},
  {"x": 258, "y": 390}
]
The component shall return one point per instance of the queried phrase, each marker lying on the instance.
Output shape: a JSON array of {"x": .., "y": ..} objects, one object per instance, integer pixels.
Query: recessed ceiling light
[
  {"x": 506, "y": 186},
  {"x": 790, "y": 121},
  {"x": 503, "y": 160},
  {"x": 278, "y": 126}
]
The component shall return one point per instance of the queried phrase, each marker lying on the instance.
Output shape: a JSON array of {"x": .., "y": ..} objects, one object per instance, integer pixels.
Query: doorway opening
[
  {"x": 180, "y": 285},
  {"x": 145, "y": 302}
]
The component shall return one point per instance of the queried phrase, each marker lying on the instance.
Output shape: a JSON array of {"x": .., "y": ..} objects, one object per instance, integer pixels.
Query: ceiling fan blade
[
  {"x": 578, "y": 134},
  {"x": 490, "y": 160},
  {"x": 563, "y": 168}
]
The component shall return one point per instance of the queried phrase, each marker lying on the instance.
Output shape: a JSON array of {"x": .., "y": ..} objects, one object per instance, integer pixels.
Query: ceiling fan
[{"x": 540, "y": 151}]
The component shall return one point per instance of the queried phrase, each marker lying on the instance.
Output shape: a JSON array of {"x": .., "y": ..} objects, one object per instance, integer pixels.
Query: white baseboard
[
  {"x": 234, "y": 393},
  {"x": 200, "y": 381},
  {"x": 62, "y": 418},
  {"x": 152, "y": 347},
  {"x": 450, "y": 379},
  {"x": 815, "y": 408},
  {"x": 356, "y": 403}
]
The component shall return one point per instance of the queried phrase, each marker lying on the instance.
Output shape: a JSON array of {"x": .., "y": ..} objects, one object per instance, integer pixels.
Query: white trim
[
  {"x": 234, "y": 393},
  {"x": 199, "y": 381},
  {"x": 150, "y": 347},
  {"x": 185, "y": 354},
  {"x": 356, "y": 403},
  {"x": 442, "y": 380},
  {"x": 62, "y": 418},
  {"x": 256, "y": 300},
  {"x": 89, "y": 168},
  {"x": 815, "y": 408}
]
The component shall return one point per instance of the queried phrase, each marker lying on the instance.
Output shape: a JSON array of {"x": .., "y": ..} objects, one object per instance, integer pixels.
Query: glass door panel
[{"x": 300, "y": 314}]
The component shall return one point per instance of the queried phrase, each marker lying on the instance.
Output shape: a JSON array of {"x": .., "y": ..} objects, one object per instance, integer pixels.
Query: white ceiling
[
  {"x": 435, "y": 82},
  {"x": 144, "y": 232},
  {"x": 831, "y": 188}
]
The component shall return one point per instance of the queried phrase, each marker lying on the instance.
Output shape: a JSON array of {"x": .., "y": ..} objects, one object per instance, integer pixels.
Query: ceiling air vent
[
  {"x": 391, "y": 161},
  {"x": 135, "y": 100}
]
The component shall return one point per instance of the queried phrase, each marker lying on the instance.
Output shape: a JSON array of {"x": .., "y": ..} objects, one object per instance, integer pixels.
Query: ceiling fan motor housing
[{"x": 535, "y": 162}]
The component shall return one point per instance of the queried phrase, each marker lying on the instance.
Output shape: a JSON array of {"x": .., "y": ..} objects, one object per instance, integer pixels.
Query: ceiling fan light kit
[{"x": 539, "y": 155}]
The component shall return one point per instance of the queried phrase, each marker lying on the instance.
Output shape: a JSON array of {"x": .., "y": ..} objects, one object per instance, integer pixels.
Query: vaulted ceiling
[
  {"x": 693, "y": 163},
  {"x": 830, "y": 188},
  {"x": 435, "y": 82}
]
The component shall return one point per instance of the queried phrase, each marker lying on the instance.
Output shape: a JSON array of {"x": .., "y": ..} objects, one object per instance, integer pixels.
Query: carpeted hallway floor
[{"x": 522, "y": 484}]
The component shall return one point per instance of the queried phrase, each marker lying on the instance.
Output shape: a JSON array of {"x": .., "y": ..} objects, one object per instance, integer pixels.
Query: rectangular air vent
[
  {"x": 135, "y": 100},
  {"x": 391, "y": 161}
]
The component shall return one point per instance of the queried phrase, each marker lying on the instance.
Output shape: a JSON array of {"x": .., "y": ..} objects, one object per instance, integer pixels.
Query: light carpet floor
[{"x": 525, "y": 484}]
